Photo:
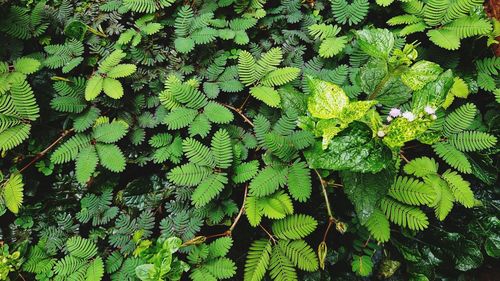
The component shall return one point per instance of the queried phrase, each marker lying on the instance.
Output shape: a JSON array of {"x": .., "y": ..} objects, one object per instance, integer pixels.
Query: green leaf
[
  {"x": 366, "y": 190},
  {"x": 13, "y": 192},
  {"x": 26, "y": 65},
  {"x": 268, "y": 95},
  {"x": 492, "y": 245},
  {"x": 95, "y": 271},
  {"x": 268, "y": 180},
  {"x": 467, "y": 255},
  {"x": 258, "y": 259},
  {"x": 353, "y": 149},
  {"x": 300, "y": 254},
  {"x": 362, "y": 265},
  {"x": 280, "y": 76},
  {"x": 276, "y": 206},
  {"x": 112, "y": 88},
  {"x": 94, "y": 87},
  {"x": 421, "y": 73},
  {"x": 180, "y": 117},
  {"x": 184, "y": 45},
  {"x": 121, "y": 70},
  {"x": 86, "y": 162},
  {"x": 378, "y": 225},
  {"x": 326, "y": 100},
  {"x": 218, "y": 113},
  {"x": 198, "y": 153},
  {"x": 376, "y": 42},
  {"x": 188, "y": 174},
  {"x": 111, "y": 157},
  {"x": 299, "y": 181},
  {"x": 294, "y": 227},
  {"x": 208, "y": 189},
  {"x": 110, "y": 132},
  {"x": 222, "y": 149},
  {"x": 253, "y": 210},
  {"x": 245, "y": 171},
  {"x": 421, "y": 167},
  {"x": 332, "y": 46},
  {"x": 434, "y": 93},
  {"x": 444, "y": 38}
]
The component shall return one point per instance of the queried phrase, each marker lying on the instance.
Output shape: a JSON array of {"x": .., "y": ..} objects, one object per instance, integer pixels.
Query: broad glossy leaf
[
  {"x": 433, "y": 93},
  {"x": 354, "y": 149},
  {"x": 421, "y": 73},
  {"x": 401, "y": 131},
  {"x": 365, "y": 190},
  {"x": 376, "y": 42},
  {"x": 326, "y": 99}
]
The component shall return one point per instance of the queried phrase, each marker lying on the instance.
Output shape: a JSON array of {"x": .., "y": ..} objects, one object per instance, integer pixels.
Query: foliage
[{"x": 248, "y": 140}]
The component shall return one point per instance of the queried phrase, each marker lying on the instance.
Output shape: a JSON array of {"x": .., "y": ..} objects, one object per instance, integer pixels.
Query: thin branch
[
  {"x": 268, "y": 234},
  {"x": 229, "y": 232},
  {"x": 404, "y": 158},
  {"x": 244, "y": 102},
  {"x": 325, "y": 195},
  {"x": 46, "y": 150},
  {"x": 240, "y": 113},
  {"x": 330, "y": 222},
  {"x": 242, "y": 209}
]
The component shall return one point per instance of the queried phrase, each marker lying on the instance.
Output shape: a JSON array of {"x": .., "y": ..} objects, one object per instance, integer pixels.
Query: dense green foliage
[{"x": 248, "y": 140}]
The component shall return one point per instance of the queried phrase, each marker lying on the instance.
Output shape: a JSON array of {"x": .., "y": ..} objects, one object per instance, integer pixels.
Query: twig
[
  {"x": 244, "y": 102},
  {"x": 46, "y": 150},
  {"x": 268, "y": 234},
  {"x": 325, "y": 195},
  {"x": 22, "y": 277},
  {"x": 331, "y": 219},
  {"x": 240, "y": 113},
  {"x": 229, "y": 232},
  {"x": 330, "y": 222},
  {"x": 242, "y": 209},
  {"x": 404, "y": 158}
]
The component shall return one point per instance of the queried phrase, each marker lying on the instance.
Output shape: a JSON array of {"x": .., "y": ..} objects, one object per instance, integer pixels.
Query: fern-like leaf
[
  {"x": 222, "y": 149},
  {"x": 404, "y": 215},
  {"x": 411, "y": 191},
  {"x": 472, "y": 140},
  {"x": 460, "y": 188},
  {"x": 294, "y": 227},
  {"x": 258, "y": 258}
]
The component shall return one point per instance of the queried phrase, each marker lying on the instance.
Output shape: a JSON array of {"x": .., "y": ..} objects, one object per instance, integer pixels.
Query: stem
[
  {"x": 404, "y": 158},
  {"x": 384, "y": 80},
  {"x": 46, "y": 150},
  {"x": 331, "y": 219},
  {"x": 59, "y": 78},
  {"x": 236, "y": 220},
  {"x": 225, "y": 233},
  {"x": 325, "y": 195},
  {"x": 239, "y": 112},
  {"x": 96, "y": 32},
  {"x": 268, "y": 234},
  {"x": 242, "y": 209},
  {"x": 330, "y": 222},
  {"x": 244, "y": 102}
]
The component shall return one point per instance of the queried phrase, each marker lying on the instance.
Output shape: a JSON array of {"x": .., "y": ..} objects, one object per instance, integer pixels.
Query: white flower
[
  {"x": 429, "y": 110},
  {"x": 389, "y": 118},
  {"x": 381, "y": 133},
  {"x": 409, "y": 116},
  {"x": 434, "y": 117},
  {"x": 395, "y": 112}
]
